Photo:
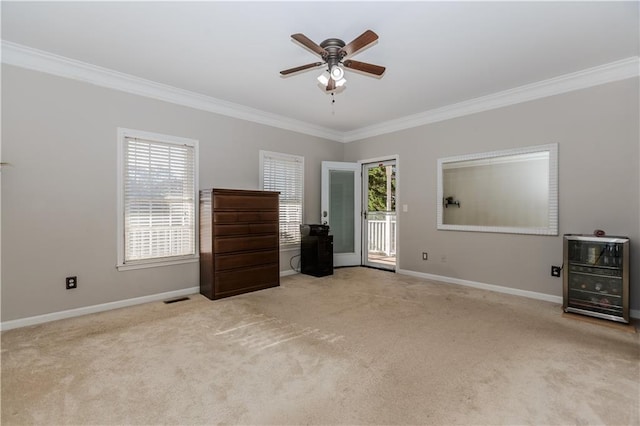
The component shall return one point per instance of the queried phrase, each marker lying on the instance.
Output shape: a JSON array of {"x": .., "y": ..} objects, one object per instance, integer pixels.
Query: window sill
[{"x": 156, "y": 264}]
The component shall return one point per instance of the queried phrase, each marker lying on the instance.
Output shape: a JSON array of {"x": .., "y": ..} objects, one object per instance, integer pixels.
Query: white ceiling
[{"x": 436, "y": 53}]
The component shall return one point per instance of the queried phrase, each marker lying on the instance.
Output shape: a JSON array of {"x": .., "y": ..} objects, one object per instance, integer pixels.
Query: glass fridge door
[{"x": 595, "y": 278}]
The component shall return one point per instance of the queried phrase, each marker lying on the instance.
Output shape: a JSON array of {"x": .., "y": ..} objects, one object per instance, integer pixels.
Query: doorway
[
  {"x": 379, "y": 219},
  {"x": 358, "y": 202}
]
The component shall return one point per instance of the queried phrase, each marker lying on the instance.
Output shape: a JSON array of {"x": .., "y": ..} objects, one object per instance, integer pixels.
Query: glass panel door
[
  {"x": 379, "y": 221},
  {"x": 341, "y": 209}
]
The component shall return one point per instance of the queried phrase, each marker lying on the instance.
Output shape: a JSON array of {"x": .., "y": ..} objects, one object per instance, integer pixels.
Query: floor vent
[{"x": 177, "y": 299}]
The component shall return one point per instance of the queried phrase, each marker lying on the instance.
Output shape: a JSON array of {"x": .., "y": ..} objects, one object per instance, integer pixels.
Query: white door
[{"x": 341, "y": 210}]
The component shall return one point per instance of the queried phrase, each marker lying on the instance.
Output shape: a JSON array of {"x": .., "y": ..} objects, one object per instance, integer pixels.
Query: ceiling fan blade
[
  {"x": 300, "y": 68},
  {"x": 331, "y": 85},
  {"x": 309, "y": 44},
  {"x": 364, "y": 67},
  {"x": 360, "y": 42}
]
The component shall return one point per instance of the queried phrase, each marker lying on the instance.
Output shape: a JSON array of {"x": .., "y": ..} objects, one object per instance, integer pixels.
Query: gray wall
[
  {"x": 599, "y": 184},
  {"x": 59, "y": 194}
]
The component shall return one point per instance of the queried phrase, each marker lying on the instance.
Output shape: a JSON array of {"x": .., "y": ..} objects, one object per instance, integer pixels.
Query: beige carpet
[{"x": 361, "y": 347}]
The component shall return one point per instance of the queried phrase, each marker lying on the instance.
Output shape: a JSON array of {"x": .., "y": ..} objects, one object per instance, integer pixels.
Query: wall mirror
[{"x": 512, "y": 191}]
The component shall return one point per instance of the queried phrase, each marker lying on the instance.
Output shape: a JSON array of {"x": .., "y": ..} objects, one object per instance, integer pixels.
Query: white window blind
[
  {"x": 285, "y": 173},
  {"x": 158, "y": 200}
]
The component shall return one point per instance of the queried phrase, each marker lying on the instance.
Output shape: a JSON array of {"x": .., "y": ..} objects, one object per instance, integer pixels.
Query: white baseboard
[
  {"x": 54, "y": 316},
  {"x": 39, "y": 319},
  {"x": 497, "y": 288},
  {"x": 491, "y": 287}
]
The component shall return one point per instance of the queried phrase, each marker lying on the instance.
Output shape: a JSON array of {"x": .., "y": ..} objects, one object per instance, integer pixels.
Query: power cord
[{"x": 296, "y": 269}]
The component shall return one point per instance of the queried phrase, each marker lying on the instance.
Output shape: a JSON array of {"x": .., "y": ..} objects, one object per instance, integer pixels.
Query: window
[
  {"x": 157, "y": 202},
  {"x": 285, "y": 173}
]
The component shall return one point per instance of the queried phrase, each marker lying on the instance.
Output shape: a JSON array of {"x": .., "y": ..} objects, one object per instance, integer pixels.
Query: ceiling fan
[{"x": 333, "y": 52}]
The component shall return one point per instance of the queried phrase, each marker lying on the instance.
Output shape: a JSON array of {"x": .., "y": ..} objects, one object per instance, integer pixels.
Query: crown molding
[
  {"x": 38, "y": 60},
  {"x": 607, "y": 73}
]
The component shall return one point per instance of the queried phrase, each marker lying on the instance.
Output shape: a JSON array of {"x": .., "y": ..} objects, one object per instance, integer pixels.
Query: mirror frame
[{"x": 551, "y": 229}]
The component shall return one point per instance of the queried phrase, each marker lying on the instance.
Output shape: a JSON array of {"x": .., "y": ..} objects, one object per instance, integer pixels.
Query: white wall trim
[
  {"x": 38, "y": 60},
  {"x": 483, "y": 286},
  {"x": 288, "y": 273},
  {"x": 54, "y": 316},
  {"x": 607, "y": 73},
  {"x": 497, "y": 288}
]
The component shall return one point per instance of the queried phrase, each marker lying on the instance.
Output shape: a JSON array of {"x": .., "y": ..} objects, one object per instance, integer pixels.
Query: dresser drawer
[
  {"x": 245, "y": 202},
  {"x": 244, "y": 243},
  {"x": 232, "y": 229},
  {"x": 264, "y": 228},
  {"x": 246, "y": 228},
  {"x": 235, "y": 282},
  {"x": 245, "y": 217},
  {"x": 241, "y": 260}
]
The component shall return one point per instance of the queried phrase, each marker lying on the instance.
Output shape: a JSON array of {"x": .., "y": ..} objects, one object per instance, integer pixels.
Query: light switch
[{"x": 405, "y": 208}]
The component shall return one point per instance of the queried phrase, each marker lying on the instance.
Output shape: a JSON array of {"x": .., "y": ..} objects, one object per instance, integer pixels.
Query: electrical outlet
[
  {"x": 555, "y": 271},
  {"x": 425, "y": 256},
  {"x": 443, "y": 258},
  {"x": 72, "y": 282}
]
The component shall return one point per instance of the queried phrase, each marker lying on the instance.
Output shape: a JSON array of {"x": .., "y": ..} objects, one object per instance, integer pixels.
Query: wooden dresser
[{"x": 239, "y": 242}]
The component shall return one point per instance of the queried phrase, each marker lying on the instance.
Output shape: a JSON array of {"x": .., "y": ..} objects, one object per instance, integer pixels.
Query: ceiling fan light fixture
[
  {"x": 337, "y": 73},
  {"x": 324, "y": 78},
  {"x": 341, "y": 82}
]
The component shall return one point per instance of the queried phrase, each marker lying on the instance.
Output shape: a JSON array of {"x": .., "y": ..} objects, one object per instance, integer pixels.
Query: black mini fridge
[{"x": 316, "y": 251}]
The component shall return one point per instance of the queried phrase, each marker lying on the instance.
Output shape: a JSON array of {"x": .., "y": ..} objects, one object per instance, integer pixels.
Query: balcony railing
[{"x": 382, "y": 232}]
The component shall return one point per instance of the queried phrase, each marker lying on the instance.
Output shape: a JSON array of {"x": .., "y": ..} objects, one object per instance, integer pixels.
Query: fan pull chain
[{"x": 333, "y": 104}]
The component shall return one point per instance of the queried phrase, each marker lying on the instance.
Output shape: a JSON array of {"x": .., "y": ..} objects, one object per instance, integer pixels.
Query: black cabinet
[
  {"x": 596, "y": 276},
  {"x": 316, "y": 255}
]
